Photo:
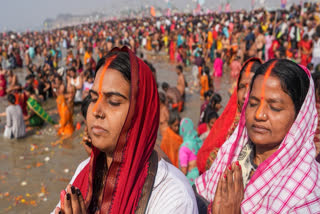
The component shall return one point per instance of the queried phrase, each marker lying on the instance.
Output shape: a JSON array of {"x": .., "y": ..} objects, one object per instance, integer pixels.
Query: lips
[
  {"x": 260, "y": 129},
  {"x": 98, "y": 130}
]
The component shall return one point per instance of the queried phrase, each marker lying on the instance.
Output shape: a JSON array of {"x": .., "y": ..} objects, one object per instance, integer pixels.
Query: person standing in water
[
  {"x": 181, "y": 83},
  {"x": 65, "y": 127},
  {"x": 173, "y": 95},
  {"x": 15, "y": 127}
]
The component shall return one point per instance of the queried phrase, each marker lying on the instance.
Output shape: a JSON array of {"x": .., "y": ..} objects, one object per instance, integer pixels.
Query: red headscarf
[
  {"x": 129, "y": 168},
  {"x": 220, "y": 130}
]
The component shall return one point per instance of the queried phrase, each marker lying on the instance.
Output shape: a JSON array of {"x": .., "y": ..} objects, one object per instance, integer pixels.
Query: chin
[
  {"x": 259, "y": 139},
  {"x": 101, "y": 145}
]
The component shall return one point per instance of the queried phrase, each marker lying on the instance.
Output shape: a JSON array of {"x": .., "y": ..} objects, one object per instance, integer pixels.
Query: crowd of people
[{"x": 259, "y": 155}]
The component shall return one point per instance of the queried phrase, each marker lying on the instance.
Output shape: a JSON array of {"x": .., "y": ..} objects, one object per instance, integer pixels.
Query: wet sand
[{"x": 35, "y": 169}]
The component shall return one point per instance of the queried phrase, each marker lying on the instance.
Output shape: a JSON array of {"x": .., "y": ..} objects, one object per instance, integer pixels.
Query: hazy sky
[{"x": 25, "y": 14}]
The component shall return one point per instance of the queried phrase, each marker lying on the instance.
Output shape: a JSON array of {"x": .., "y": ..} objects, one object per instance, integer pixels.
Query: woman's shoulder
[{"x": 172, "y": 192}]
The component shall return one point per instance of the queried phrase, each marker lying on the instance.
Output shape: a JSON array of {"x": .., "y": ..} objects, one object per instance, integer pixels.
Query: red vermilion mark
[
  {"x": 266, "y": 76},
  {"x": 248, "y": 69},
  {"x": 105, "y": 67}
]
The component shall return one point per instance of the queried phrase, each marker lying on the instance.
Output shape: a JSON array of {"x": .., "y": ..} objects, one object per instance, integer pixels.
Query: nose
[
  {"x": 261, "y": 113},
  {"x": 98, "y": 109}
]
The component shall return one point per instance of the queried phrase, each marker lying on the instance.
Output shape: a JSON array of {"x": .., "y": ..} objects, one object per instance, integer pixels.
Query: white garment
[
  {"x": 15, "y": 127},
  {"x": 76, "y": 83},
  {"x": 316, "y": 54},
  {"x": 316, "y": 48},
  {"x": 171, "y": 192}
]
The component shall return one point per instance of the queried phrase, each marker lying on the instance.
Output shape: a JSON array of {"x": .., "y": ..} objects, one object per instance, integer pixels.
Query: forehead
[
  {"x": 272, "y": 87},
  {"x": 111, "y": 80},
  {"x": 245, "y": 78}
]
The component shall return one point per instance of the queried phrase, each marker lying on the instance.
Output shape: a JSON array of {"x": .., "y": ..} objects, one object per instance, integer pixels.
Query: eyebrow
[
  {"x": 271, "y": 100},
  {"x": 109, "y": 94}
]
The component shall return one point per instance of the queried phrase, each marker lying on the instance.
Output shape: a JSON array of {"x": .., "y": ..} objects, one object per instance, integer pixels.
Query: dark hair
[
  {"x": 179, "y": 67},
  {"x": 211, "y": 115},
  {"x": 173, "y": 117},
  {"x": 58, "y": 76},
  {"x": 120, "y": 63},
  {"x": 208, "y": 93},
  {"x": 29, "y": 77},
  {"x": 162, "y": 97},
  {"x": 73, "y": 69},
  {"x": 218, "y": 55},
  {"x": 11, "y": 98},
  {"x": 206, "y": 70},
  {"x": 294, "y": 80},
  {"x": 254, "y": 68},
  {"x": 215, "y": 99},
  {"x": 165, "y": 85},
  {"x": 91, "y": 75},
  {"x": 30, "y": 89}
]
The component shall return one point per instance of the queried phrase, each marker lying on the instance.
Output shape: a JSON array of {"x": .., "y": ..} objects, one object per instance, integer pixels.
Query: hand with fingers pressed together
[
  {"x": 72, "y": 202},
  {"x": 229, "y": 193}
]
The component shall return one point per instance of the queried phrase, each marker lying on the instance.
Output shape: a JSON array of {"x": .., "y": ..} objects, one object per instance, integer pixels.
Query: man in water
[
  {"x": 15, "y": 127},
  {"x": 174, "y": 97}
]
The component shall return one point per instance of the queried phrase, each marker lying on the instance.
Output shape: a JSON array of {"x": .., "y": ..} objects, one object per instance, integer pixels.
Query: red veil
[
  {"x": 131, "y": 159},
  {"x": 220, "y": 130}
]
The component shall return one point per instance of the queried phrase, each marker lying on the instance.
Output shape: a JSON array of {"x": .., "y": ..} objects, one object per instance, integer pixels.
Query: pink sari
[
  {"x": 288, "y": 181},
  {"x": 217, "y": 66}
]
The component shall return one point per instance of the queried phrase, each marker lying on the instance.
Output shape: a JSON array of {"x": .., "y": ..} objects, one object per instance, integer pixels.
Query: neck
[
  {"x": 109, "y": 161},
  {"x": 263, "y": 152}
]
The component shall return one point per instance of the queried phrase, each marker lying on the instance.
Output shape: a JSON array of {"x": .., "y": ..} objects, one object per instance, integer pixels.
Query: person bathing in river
[
  {"x": 171, "y": 140},
  {"x": 65, "y": 126},
  {"x": 33, "y": 119},
  {"x": 189, "y": 149},
  {"x": 181, "y": 83},
  {"x": 15, "y": 127},
  {"x": 164, "y": 113},
  {"x": 174, "y": 97}
]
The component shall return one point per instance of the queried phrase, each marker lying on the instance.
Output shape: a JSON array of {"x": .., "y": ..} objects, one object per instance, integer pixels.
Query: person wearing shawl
[
  {"x": 228, "y": 120},
  {"x": 171, "y": 140},
  {"x": 268, "y": 164},
  {"x": 123, "y": 173},
  {"x": 189, "y": 149}
]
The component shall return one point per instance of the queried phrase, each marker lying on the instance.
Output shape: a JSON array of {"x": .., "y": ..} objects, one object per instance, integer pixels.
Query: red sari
[
  {"x": 172, "y": 50},
  {"x": 305, "y": 46},
  {"x": 129, "y": 169},
  {"x": 274, "y": 46},
  {"x": 3, "y": 85}
]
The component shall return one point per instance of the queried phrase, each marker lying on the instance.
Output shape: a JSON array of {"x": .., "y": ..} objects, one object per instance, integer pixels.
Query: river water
[{"x": 35, "y": 169}]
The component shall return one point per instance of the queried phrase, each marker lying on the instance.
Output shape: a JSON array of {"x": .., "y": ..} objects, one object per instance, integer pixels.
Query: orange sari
[
  {"x": 66, "y": 123},
  {"x": 170, "y": 144},
  {"x": 204, "y": 82}
]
